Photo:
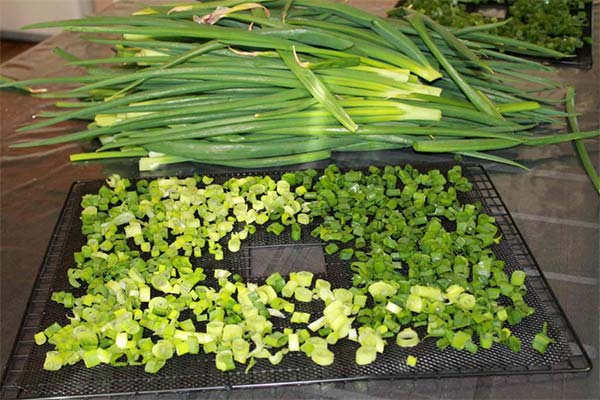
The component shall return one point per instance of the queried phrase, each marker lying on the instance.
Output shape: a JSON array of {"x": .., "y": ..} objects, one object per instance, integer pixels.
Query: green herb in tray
[
  {"x": 555, "y": 24},
  {"x": 447, "y": 12},
  {"x": 422, "y": 263}
]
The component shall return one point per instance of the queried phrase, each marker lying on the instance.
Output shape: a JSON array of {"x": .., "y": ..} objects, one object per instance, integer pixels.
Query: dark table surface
[{"x": 554, "y": 206}]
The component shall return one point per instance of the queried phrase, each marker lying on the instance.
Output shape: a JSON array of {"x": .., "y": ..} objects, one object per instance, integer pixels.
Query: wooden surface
[{"x": 12, "y": 48}]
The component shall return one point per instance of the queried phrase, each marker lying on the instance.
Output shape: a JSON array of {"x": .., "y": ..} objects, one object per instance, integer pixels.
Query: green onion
[
  {"x": 541, "y": 341},
  {"x": 293, "y": 342},
  {"x": 303, "y": 278},
  {"x": 477, "y": 99},
  {"x": 460, "y": 339},
  {"x": 53, "y": 361},
  {"x": 337, "y": 68},
  {"x": 224, "y": 361},
  {"x": 318, "y": 90},
  {"x": 163, "y": 350},
  {"x": 149, "y": 233},
  {"x": 300, "y": 317},
  {"x": 322, "y": 356},
  {"x": 303, "y": 294},
  {"x": 365, "y": 355},
  {"x": 40, "y": 338},
  {"x": 579, "y": 145},
  {"x": 517, "y": 278},
  {"x": 407, "y": 338}
]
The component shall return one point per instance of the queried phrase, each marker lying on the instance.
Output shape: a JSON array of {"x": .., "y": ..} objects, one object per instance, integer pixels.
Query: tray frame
[{"x": 484, "y": 190}]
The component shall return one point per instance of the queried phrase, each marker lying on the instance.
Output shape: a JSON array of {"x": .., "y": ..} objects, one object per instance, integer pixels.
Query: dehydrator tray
[
  {"x": 582, "y": 58},
  {"x": 261, "y": 255}
]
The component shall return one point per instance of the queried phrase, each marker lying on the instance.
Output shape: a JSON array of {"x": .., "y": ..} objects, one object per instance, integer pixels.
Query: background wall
[{"x": 16, "y": 13}]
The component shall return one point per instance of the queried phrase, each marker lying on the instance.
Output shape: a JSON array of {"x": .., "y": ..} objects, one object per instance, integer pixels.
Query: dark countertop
[{"x": 554, "y": 206}]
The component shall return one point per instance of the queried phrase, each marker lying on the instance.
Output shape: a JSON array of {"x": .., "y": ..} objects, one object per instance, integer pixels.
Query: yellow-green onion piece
[
  {"x": 460, "y": 339},
  {"x": 541, "y": 341},
  {"x": 466, "y": 301},
  {"x": 91, "y": 358},
  {"x": 316, "y": 324},
  {"x": 300, "y": 317},
  {"x": 407, "y": 338},
  {"x": 289, "y": 288},
  {"x": 414, "y": 303},
  {"x": 163, "y": 350},
  {"x": 517, "y": 278},
  {"x": 224, "y": 360},
  {"x": 411, "y": 361},
  {"x": 231, "y": 332},
  {"x": 453, "y": 291},
  {"x": 322, "y": 356},
  {"x": 369, "y": 338},
  {"x": 154, "y": 365},
  {"x": 53, "y": 361},
  {"x": 382, "y": 289},
  {"x": 121, "y": 340},
  {"x": 293, "y": 342},
  {"x": 303, "y": 278},
  {"x": 40, "y": 338},
  {"x": 365, "y": 355},
  {"x": 393, "y": 308},
  {"x": 428, "y": 292},
  {"x": 240, "y": 349},
  {"x": 303, "y": 294}
]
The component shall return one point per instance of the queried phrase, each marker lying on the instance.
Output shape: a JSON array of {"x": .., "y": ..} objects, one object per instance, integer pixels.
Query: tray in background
[{"x": 582, "y": 58}]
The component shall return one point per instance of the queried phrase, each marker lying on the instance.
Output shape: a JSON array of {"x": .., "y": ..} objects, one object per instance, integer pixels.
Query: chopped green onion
[
  {"x": 53, "y": 361},
  {"x": 365, "y": 355},
  {"x": 407, "y": 338},
  {"x": 322, "y": 356},
  {"x": 40, "y": 338},
  {"x": 411, "y": 277},
  {"x": 303, "y": 294},
  {"x": 541, "y": 341},
  {"x": 300, "y": 317},
  {"x": 224, "y": 360},
  {"x": 411, "y": 361},
  {"x": 517, "y": 278}
]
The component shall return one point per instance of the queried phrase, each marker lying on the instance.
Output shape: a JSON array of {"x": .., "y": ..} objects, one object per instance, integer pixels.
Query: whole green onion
[{"x": 333, "y": 67}]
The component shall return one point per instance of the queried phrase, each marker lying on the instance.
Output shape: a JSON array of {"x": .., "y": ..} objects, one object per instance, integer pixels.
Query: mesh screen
[{"x": 193, "y": 372}]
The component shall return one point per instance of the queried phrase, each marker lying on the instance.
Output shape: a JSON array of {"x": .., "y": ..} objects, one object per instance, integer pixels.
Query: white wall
[{"x": 16, "y": 13}]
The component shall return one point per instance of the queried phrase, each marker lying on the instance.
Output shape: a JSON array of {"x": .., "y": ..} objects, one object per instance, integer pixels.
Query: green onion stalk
[{"x": 232, "y": 83}]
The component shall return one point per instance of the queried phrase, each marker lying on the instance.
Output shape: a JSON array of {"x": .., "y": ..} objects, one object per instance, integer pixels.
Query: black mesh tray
[{"x": 25, "y": 378}]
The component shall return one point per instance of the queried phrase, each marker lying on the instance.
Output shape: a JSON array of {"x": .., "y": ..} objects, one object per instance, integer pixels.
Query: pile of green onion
[
  {"x": 275, "y": 82},
  {"x": 422, "y": 263}
]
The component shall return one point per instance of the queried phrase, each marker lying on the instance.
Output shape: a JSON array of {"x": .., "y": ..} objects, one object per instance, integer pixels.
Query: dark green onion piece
[{"x": 579, "y": 145}]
